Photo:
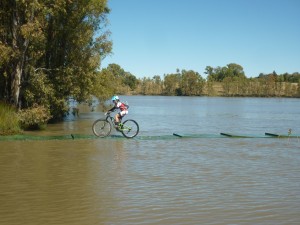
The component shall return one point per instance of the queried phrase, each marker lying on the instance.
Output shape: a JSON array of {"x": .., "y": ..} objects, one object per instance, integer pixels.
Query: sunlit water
[{"x": 120, "y": 181}]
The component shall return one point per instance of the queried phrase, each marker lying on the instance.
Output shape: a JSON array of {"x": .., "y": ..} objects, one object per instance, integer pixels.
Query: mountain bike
[{"x": 102, "y": 127}]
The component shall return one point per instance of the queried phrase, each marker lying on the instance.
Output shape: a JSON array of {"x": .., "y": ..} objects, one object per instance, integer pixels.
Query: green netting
[{"x": 266, "y": 135}]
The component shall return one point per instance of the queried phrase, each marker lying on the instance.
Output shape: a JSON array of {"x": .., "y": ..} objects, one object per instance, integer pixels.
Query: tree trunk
[
  {"x": 17, "y": 70},
  {"x": 16, "y": 84},
  {"x": 19, "y": 45}
]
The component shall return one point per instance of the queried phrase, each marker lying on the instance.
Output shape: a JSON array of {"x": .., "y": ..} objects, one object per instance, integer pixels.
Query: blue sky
[{"x": 155, "y": 37}]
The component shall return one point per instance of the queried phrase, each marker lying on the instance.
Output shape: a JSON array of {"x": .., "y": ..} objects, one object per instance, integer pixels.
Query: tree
[
  {"x": 235, "y": 70},
  {"x": 130, "y": 80},
  {"x": 172, "y": 84},
  {"x": 62, "y": 41},
  {"x": 123, "y": 78},
  {"x": 191, "y": 83},
  {"x": 116, "y": 70},
  {"x": 20, "y": 26},
  {"x": 158, "y": 84},
  {"x": 104, "y": 85},
  {"x": 73, "y": 53},
  {"x": 220, "y": 73}
]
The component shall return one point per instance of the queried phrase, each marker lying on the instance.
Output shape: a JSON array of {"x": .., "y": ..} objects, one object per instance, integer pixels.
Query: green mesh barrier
[{"x": 24, "y": 137}]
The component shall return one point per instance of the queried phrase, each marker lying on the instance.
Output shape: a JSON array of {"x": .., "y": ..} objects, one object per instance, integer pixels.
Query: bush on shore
[
  {"x": 34, "y": 118},
  {"x": 13, "y": 122}
]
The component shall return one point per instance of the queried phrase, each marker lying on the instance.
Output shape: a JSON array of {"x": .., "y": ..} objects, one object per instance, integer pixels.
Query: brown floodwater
[{"x": 157, "y": 180}]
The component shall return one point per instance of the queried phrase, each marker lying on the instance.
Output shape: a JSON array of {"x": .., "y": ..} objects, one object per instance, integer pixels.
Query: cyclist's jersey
[{"x": 121, "y": 106}]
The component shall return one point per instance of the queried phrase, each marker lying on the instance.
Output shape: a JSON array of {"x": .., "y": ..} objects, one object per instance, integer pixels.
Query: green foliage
[
  {"x": 123, "y": 80},
  {"x": 220, "y": 73},
  {"x": 172, "y": 84},
  {"x": 51, "y": 50},
  {"x": 234, "y": 83},
  {"x": 6, "y": 52},
  {"x": 104, "y": 85},
  {"x": 235, "y": 86},
  {"x": 39, "y": 90},
  {"x": 286, "y": 77},
  {"x": 148, "y": 86},
  {"x": 191, "y": 83},
  {"x": 35, "y": 117},
  {"x": 186, "y": 83},
  {"x": 9, "y": 122},
  {"x": 130, "y": 80}
]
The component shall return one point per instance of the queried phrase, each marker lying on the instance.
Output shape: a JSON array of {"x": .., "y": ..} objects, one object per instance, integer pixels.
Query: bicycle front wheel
[
  {"x": 130, "y": 128},
  {"x": 101, "y": 128}
]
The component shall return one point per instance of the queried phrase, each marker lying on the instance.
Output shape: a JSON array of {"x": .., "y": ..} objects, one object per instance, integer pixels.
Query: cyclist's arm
[{"x": 112, "y": 109}]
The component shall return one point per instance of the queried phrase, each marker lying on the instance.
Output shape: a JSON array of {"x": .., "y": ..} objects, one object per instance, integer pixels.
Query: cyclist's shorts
[{"x": 123, "y": 113}]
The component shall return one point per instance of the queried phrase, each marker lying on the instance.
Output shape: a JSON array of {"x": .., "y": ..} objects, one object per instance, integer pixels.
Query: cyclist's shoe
[{"x": 119, "y": 127}]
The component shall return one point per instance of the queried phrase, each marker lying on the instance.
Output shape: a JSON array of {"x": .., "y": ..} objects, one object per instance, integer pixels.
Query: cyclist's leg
[{"x": 119, "y": 117}]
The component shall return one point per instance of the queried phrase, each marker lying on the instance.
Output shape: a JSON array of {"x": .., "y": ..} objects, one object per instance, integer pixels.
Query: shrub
[
  {"x": 34, "y": 118},
  {"x": 9, "y": 121}
]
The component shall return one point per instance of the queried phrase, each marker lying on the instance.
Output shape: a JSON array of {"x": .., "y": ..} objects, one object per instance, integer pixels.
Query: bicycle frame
[{"x": 112, "y": 120}]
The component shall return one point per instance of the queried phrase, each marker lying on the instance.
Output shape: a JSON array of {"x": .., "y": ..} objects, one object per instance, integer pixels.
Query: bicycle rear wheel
[
  {"x": 130, "y": 128},
  {"x": 101, "y": 128}
]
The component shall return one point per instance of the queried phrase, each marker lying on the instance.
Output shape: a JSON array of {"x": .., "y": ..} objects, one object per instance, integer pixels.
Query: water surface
[{"x": 214, "y": 181}]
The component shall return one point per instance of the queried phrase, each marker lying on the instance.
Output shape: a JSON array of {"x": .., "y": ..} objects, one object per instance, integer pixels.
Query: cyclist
[{"x": 123, "y": 110}]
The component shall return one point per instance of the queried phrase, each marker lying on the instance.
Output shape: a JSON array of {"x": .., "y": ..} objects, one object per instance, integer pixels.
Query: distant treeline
[{"x": 221, "y": 81}]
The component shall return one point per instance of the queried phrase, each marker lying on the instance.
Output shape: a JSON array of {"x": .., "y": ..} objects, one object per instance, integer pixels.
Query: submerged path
[{"x": 24, "y": 137}]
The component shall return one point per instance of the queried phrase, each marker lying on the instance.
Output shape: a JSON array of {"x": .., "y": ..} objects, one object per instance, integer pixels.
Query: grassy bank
[{"x": 9, "y": 122}]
